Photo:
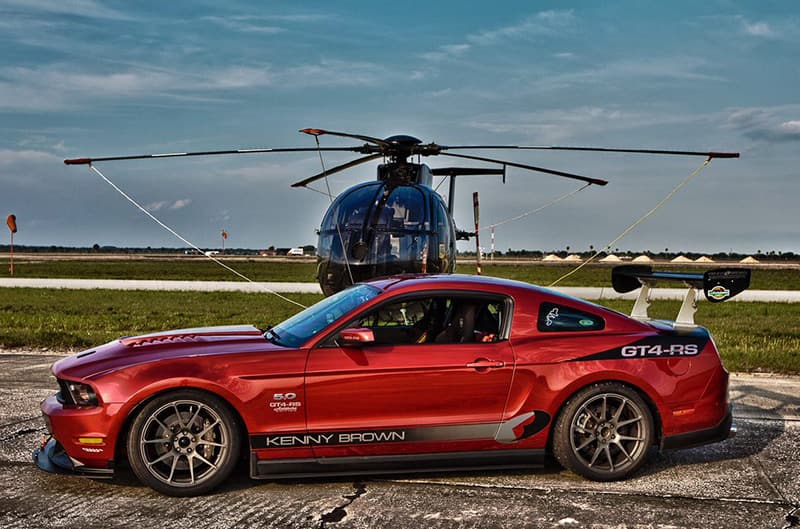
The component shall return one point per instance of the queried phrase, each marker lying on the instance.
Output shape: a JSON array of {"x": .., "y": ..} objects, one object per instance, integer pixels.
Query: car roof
[
  {"x": 422, "y": 282},
  {"x": 412, "y": 283}
]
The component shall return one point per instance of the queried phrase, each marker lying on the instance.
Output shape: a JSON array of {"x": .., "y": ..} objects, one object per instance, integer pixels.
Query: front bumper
[
  {"x": 724, "y": 430},
  {"x": 51, "y": 457},
  {"x": 67, "y": 450}
]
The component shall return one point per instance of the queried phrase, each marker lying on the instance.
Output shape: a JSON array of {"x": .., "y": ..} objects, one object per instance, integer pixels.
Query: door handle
[{"x": 484, "y": 363}]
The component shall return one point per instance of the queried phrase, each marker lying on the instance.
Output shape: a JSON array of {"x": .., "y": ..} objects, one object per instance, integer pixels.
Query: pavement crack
[
  {"x": 20, "y": 421},
  {"x": 20, "y": 433},
  {"x": 338, "y": 513},
  {"x": 793, "y": 518}
]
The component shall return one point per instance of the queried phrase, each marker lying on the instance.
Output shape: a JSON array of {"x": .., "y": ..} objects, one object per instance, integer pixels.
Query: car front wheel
[
  {"x": 184, "y": 443},
  {"x": 604, "y": 432}
]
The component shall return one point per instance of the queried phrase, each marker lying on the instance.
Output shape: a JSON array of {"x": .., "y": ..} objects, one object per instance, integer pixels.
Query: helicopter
[{"x": 398, "y": 223}]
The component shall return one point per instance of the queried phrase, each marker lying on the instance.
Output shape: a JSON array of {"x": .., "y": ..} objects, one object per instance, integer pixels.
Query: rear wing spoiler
[{"x": 719, "y": 284}]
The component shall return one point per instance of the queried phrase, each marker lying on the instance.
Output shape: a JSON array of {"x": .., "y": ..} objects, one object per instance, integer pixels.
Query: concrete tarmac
[{"x": 750, "y": 481}]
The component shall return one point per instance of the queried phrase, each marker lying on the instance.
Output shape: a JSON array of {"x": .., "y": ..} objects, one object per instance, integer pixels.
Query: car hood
[{"x": 135, "y": 350}]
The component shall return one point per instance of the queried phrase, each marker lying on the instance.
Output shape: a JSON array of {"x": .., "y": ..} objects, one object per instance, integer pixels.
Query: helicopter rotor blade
[
  {"x": 369, "y": 139},
  {"x": 465, "y": 171},
  {"x": 87, "y": 161},
  {"x": 708, "y": 154},
  {"x": 338, "y": 168},
  {"x": 588, "y": 179}
]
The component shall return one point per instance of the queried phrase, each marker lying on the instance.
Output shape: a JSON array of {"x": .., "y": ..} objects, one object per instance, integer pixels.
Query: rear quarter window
[{"x": 559, "y": 318}]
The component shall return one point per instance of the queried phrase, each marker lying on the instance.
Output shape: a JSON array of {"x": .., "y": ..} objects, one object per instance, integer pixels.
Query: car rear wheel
[
  {"x": 604, "y": 432},
  {"x": 184, "y": 443}
]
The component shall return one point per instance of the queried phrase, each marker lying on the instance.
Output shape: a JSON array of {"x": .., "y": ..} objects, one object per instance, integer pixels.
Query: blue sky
[{"x": 94, "y": 78}]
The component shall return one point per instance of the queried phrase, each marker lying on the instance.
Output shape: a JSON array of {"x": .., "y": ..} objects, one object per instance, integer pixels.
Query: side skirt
[{"x": 394, "y": 464}]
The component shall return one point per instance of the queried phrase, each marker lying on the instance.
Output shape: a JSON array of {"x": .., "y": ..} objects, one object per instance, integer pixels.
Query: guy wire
[
  {"x": 635, "y": 224},
  {"x": 173, "y": 232},
  {"x": 330, "y": 195},
  {"x": 540, "y": 208}
]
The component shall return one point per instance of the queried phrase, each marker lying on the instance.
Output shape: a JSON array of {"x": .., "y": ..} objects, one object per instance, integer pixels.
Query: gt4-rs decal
[
  {"x": 513, "y": 430},
  {"x": 653, "y": 347}
]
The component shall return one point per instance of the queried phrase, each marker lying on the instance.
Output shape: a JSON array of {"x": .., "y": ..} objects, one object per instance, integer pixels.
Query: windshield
[{"x": 299, "y": 328}]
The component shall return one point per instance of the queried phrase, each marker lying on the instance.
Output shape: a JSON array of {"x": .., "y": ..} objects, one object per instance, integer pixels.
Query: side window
[
  {"x": 558, "y": 318},
  {"x": 464, "y": 320},
  {"x": 401, "y": 314},
  {"x": 435, "y": 320},
  {"x": 401, "y": 323}
]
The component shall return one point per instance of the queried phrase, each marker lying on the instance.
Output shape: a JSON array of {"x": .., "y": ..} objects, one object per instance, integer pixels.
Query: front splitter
[{"x": 53, "y": 458}]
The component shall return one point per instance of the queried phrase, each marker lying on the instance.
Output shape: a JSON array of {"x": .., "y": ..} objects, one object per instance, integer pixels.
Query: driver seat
[{"x": 461, "y": 327}]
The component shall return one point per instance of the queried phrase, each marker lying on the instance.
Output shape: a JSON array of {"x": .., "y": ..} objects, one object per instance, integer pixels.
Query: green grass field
[
  {"x": 751, "y": 336},
  {"x": 265, "y": 270}
]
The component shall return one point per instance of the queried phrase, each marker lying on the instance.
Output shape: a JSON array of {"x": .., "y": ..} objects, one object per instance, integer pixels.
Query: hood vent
[
  {"x": 160, "y": 340},
  {"x": 200, "y": 334}
]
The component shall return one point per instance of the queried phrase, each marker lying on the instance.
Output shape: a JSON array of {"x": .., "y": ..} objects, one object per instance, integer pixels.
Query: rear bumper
[
  {"x": 724, "y": 430},
  {"x": 51, "y": 457}
]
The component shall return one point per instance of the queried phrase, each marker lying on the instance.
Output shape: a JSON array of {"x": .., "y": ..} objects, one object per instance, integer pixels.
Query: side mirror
[{"x": 356, "y": 336}]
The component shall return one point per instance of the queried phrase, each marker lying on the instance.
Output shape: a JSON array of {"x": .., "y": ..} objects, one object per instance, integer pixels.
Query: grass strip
[{"x": 595, "y": 275}]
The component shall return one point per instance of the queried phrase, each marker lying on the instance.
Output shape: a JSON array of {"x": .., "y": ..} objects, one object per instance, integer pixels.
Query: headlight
[{"x": 77, "y": 393}]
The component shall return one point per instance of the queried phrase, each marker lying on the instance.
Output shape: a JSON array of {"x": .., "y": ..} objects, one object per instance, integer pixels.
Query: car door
[{"x": 413, "y": 389}]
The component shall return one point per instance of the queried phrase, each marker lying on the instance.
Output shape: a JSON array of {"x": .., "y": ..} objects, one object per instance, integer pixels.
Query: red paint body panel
[{"x": 434, "y": 397}]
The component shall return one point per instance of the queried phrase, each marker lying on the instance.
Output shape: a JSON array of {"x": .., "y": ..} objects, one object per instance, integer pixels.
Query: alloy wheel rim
[
  {"x": 608, "y": 433},
  {"x": 183, "y": 443}
]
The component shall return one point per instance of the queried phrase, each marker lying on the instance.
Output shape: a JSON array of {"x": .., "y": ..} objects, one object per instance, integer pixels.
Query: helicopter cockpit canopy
[{"x": 379, "y": 228}]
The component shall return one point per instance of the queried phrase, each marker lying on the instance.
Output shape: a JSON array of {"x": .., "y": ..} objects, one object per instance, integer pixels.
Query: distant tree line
[
  {"x": 666, "y": 254},
  {"x": 162, "y": 250},
  {"x": 310, "y": 249}
]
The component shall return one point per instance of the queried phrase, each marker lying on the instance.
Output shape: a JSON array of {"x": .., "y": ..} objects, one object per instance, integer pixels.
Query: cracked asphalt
[{"x": 750, "y": 481}]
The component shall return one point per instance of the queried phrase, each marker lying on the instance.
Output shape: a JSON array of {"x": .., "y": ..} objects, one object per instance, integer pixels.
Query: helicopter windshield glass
[
  {"x": 298, "y": 329},
  {"x": 350, "y": 210},
  {"x": 404, "y": 210},
  {"x": 382, "y": 229}
]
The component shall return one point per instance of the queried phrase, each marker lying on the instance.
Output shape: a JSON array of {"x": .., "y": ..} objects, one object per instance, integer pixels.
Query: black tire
[
  {"x": 184, "y": 443},
  {"x": 604, "y": 432}
]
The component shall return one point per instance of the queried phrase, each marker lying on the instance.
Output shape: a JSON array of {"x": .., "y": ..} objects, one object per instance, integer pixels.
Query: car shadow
[{"x": 759, "y": 415}]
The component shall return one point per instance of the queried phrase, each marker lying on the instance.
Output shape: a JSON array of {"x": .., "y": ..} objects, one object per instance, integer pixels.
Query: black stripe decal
[
  {"x": 653, "y": 347},
  {"x": 529, "y": 423}
]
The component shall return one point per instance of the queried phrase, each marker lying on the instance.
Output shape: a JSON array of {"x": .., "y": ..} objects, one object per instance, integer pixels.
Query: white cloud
[
  {"x": 82, "y": 8},
  {"x": 156, "y": 206},
  {"x": 445, "y": 52},
  {"x": 265, "y": 24},
  {"x": 792, "y": 127},
  {"x": 625, "y": 72},
  {"x": 167, "y": 204},
  {"x": 769, "y": 124},
  {"x": 758, "y": 29},
  {"x": 29, "y": 169},
  {"x": 441, "y": 93},
  {"x": 10, "y": 157},
  {"x": 246, "y": 24},
  {"x": 540, "y": 24},
  {"x": 543, "y": 23},
  {"x": 560, "y": 125},
  {"x": 778, "y": 29},
  {"x": 58, "y": 86}
]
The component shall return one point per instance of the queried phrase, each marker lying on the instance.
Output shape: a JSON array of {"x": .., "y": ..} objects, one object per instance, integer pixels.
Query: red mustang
[{"x": 407, "y": 372}]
